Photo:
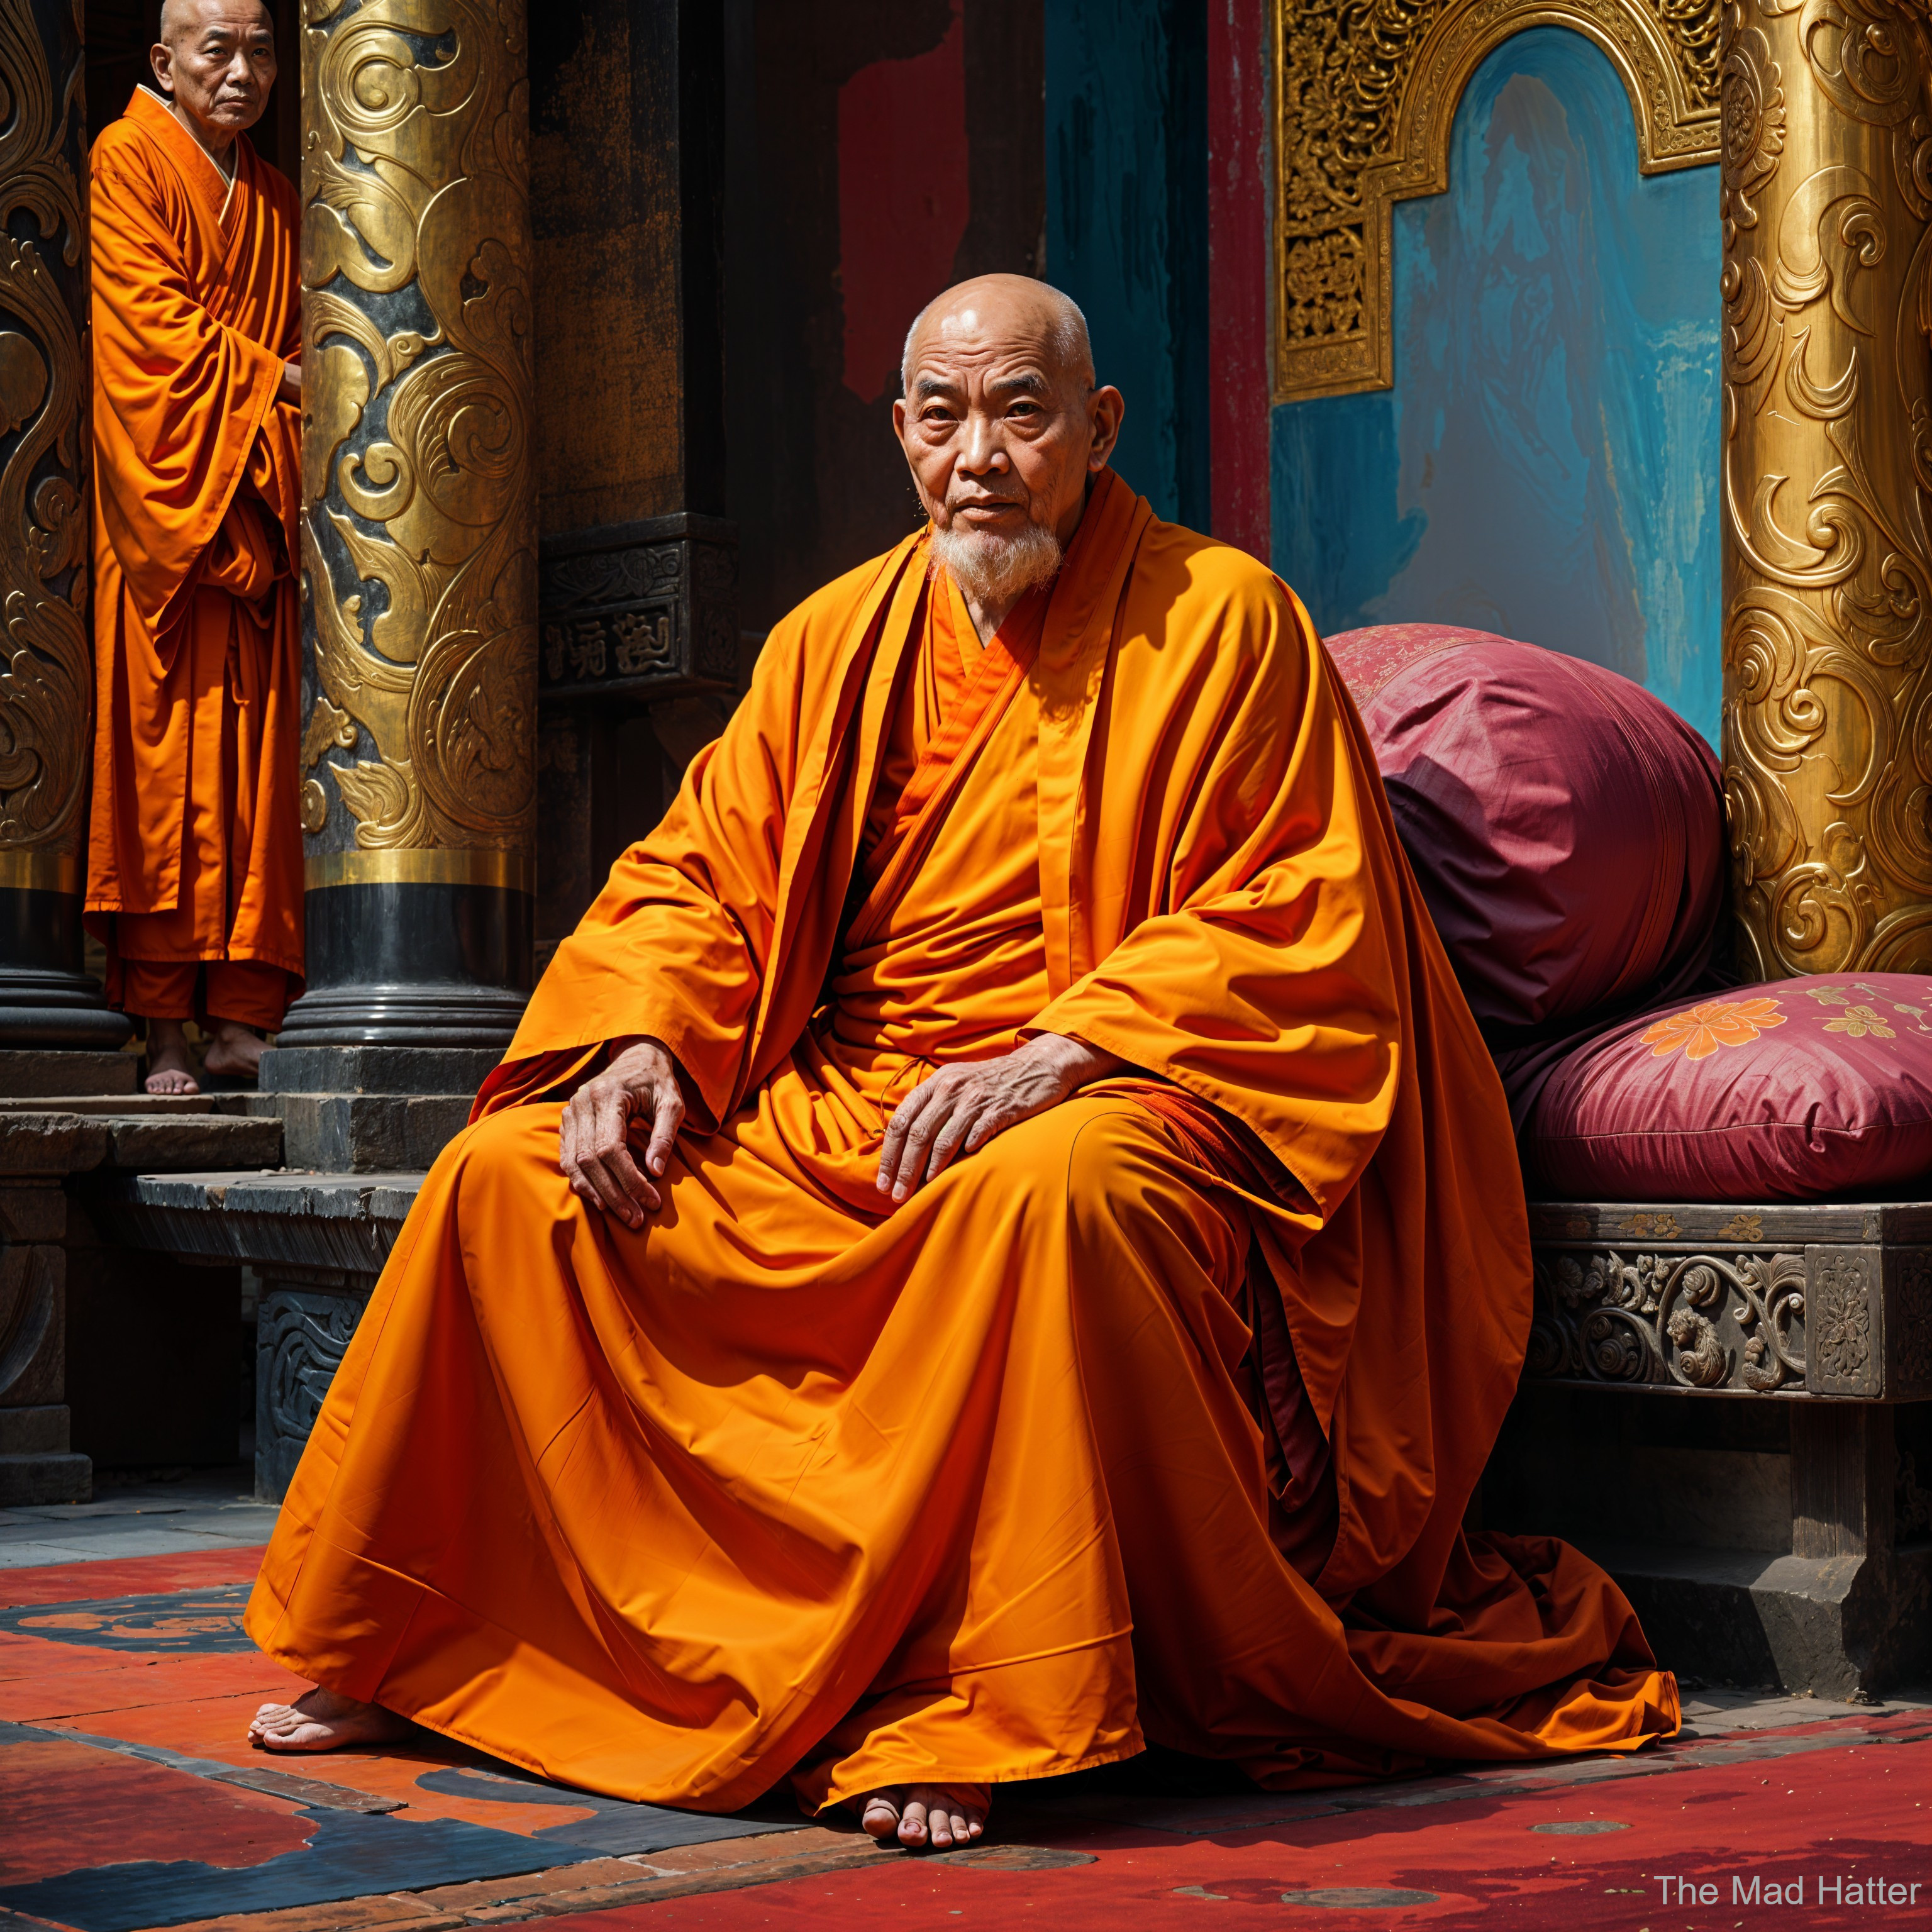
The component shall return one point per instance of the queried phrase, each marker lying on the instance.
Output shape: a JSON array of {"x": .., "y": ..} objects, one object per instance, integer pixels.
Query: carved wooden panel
[
  {"x": 1801, "y": 1299},
  {"x": 45, "y": 669},
  {"x": 1690, "y": 1320},
  {"x": 1846, "y": 1321},
  {"x": 1908, "y": 1322},
  {"x": 1365, "y": 91}
]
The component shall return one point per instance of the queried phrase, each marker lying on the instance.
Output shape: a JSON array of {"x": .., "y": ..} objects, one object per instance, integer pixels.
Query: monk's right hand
[{"x": 638, "y": 1088}]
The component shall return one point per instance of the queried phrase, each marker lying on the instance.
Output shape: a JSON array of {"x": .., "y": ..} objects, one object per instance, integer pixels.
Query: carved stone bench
[
  {"x": 106, "y": 1356},
  {"x": 1731, "y": 1408},
  {"x": 316, "y": 1242}
]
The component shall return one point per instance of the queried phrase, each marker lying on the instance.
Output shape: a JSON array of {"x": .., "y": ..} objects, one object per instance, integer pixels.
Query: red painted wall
[
  {"x": 905, "y": 199},
  {"x": 1237, "y": 233}
]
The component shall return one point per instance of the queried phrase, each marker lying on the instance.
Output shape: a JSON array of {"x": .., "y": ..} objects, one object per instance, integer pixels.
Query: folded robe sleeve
[{"x": 678, "y": 944}]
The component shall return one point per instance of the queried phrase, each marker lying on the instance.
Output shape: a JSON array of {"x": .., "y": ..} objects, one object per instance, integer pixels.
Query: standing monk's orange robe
[
  {"x": 194, "y": 857},
  {"x": 1013, "y": 1479}
]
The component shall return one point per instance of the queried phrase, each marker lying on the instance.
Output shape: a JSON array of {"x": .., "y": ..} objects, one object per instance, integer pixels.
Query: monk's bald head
[
  {"x": 1004, "y": 429},
  {"x": 1015, "y": 308},
  {"x": 215, "y": 61}
]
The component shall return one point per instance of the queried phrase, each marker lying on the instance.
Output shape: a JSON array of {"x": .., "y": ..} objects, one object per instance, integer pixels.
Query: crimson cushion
[
  {"x": 1783, "y": 1092},
  {"x": 1566, "y": 827}
]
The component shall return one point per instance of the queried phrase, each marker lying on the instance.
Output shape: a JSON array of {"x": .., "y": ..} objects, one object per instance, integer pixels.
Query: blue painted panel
[
  {"x": 1127, "y": 215},
  {"x": 1547, "y": 464}
]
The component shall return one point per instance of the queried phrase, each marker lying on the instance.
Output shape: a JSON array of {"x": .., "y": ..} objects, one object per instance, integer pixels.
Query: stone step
[
  {"x": 46, "y": 1140},
  {"x": 26, "y": 1071},
  {"x": 41, "y": 1429},
  {"x": 130, "y": 1105},
  {"x": 29, "y": 1479}
]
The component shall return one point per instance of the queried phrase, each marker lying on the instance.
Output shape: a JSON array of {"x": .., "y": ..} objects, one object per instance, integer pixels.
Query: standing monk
[
  {"x": 194, "y": 858},
  {"x": 998, "y": 1240}
]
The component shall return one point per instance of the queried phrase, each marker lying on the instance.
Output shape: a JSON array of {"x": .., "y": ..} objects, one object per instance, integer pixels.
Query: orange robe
[
  {"x": 195, "y": 849},
  {"x": 995, "y": 1485}
]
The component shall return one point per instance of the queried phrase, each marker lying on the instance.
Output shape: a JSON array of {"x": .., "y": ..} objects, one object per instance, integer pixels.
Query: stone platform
[
  {"x": 151, "y": 1377},
  {"x": 317, "y": 1243},
  {"x": 1731, "y": 1408}
]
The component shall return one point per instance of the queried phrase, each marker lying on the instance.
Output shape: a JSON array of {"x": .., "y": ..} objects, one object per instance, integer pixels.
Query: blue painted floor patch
[{"x": 348, "y": 1856}]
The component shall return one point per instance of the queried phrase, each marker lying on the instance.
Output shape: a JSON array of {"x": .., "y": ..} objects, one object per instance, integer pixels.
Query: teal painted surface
[
  {"x": 1547, "y": 464},
  {"x": 1126, "y": 221}
]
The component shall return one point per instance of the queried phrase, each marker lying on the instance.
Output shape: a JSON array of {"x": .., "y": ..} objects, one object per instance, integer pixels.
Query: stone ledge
[
  {"x": 29, "y": 1479},
  {"x": 142, "y": 1105},
  {"x": 32, "y": 1071},
  {"x": 1831, "y": 1626},
  {"x": 44, "y": 1428},
  {"x": 364, "y": 1133},
  {"x": 288, "y": 1219},
  {"x": 57, "y": 1144},
  {"x": 356, "y": 1070}
]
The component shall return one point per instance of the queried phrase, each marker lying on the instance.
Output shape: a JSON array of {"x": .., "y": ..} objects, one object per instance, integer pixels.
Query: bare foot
[
  {"x": 927, "y": 1816},
  {"x": 170, "y": 1065},
  {"x": 322, "y": 1720},
  {"x": 235, "y": 1051}
]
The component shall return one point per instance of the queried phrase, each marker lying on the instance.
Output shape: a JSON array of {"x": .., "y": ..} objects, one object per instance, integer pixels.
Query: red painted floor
[
  {"x": 1846, "y": 1816},
  {"x": 129, "y": 1798}
]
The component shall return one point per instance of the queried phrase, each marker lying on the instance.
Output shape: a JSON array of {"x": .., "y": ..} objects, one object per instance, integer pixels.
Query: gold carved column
[
  {"x": 1827, "y": 207},
  {"x": 46, "y": 666},
  {"x": 419, "y": 536}
]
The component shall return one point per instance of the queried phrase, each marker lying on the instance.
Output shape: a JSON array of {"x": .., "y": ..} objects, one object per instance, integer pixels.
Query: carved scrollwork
[
  {"x": 1827, "y": 460},
  {"x": 44, "y": 660},
  {"x": 1365, "y": 91},
  {"x": 307, "y": 1336},
  {"x": 1698, "y": 1321},
  {"x": 418, "y": 539}
]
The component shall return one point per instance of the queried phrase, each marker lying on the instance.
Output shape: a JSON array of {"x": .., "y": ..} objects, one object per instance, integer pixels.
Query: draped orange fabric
[
  {"x": 995, "y": 1485},
  {"x": 195, "y": 849}
]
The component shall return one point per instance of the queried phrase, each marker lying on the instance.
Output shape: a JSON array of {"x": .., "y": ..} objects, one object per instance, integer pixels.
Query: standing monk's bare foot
[
  {"x": 170, "y": 1065},
  {"x": 927, "y": 1816},
  {"x": 323, "y": 1720},
  {"x": 234, "y": 1051}
]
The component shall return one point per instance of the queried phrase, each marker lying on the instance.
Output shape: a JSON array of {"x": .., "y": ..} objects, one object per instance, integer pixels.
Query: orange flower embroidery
[
  {"x": 1859, "y": 1021},
  {"x": 1702, "y": 1029}
]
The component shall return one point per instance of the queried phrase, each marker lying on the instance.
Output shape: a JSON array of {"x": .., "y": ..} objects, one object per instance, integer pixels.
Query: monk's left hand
[{"x": 961, "y": 1107}]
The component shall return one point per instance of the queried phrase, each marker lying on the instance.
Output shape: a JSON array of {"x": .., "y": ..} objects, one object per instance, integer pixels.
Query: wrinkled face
[
  {"x": 217, "y": 58},
  {"x": 1001, "y": 429}
]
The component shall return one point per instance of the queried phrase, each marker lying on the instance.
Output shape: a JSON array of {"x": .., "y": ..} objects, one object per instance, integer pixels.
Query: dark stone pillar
[
  {"x": 638, "y": 650},
  {"x": 45, "y": 668}
]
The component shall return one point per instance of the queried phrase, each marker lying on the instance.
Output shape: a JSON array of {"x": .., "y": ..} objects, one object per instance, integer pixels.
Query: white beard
[{"x": 996, "y": 571}]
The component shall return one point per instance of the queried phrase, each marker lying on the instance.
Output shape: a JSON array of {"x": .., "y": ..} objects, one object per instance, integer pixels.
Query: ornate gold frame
[{"x": 1365, "y": 97}]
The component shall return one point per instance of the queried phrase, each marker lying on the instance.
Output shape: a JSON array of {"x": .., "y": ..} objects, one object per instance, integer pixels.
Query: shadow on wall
[
  {"x": 1126, "y": 225},
  {"x": 877, "y": 150},
  {"x": 1545, "y": 465}
]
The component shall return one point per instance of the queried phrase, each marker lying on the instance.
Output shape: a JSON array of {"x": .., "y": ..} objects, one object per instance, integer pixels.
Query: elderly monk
[
  {"x": 1071, "y": 1270},
  {"x": 194, "y": 858}
]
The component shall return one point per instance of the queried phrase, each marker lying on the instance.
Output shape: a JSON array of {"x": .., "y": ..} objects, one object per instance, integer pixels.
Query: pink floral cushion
[
  {"x": 1785, "y": 1092},
  {"x": 1565, "y": 825}
]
